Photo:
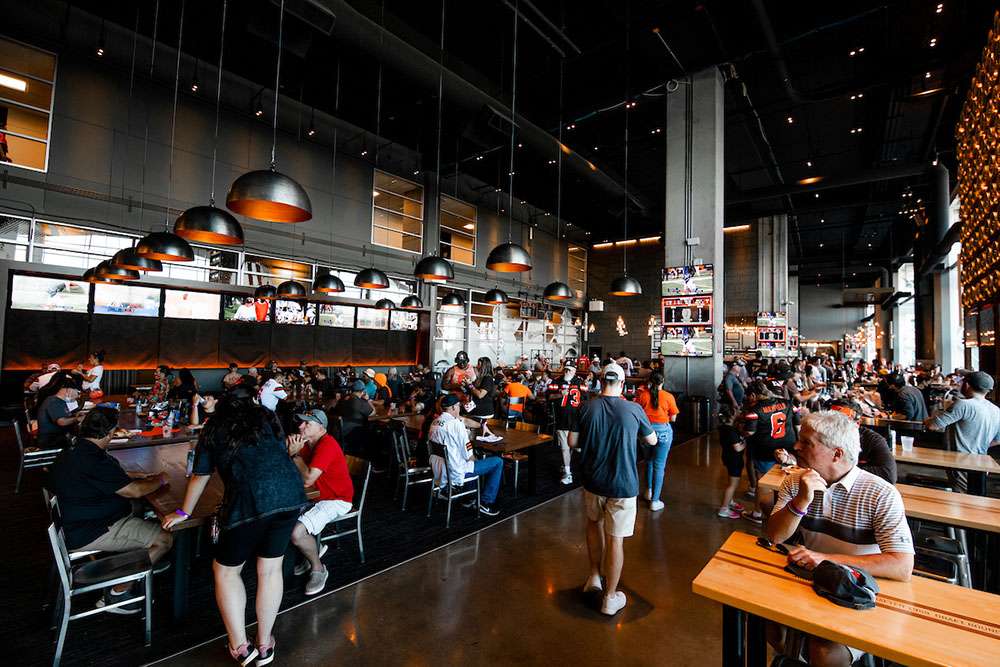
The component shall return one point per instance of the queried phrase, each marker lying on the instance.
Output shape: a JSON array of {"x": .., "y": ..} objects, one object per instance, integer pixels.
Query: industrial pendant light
[
  {"x": 411, "y": 302},
  {"x": 265, "y": 292},
  {"x": 371, "y": 278},
  {"x": 624, "y": 285},
  {"x": 128, "y": 258},
  {"x": 167, "y": 246},
  {"x": 496, "y": 296},
  {"x": 267, "y": 194},
  {"x": 291, "y": 289},
  {"x": 434, "y": 269},
  {"x": 558, "y": 290},
  {"x": 385, "y": 304},
  {"x": 327, "y": 283},
  {"x": 109, "y": 271},
  {"x": 208, "y": 224},
  {"x": 453, "y": 300},
  {"x": 91, "y": 276},
  {"x": 509, "y": 257}
]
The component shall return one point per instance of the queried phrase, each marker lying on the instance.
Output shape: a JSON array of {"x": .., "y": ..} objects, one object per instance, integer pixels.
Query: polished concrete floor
[{"x": 510, "y": 594}]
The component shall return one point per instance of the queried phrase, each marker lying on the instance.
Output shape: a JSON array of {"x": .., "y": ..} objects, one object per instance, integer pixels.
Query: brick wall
[{"x": 645, "y": 264}]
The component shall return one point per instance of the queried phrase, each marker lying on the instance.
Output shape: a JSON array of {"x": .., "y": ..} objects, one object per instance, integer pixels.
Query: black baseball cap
[{"x": 449, "y": 400}]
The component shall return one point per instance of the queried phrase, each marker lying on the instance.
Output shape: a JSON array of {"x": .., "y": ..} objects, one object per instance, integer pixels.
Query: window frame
[
  {"x": 474, "y": 235},
  {"x": 389, "y": 211},
  {"x": 47, "y": 141}
]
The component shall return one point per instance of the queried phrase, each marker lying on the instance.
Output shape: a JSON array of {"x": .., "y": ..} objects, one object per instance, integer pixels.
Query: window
[
  {"x": 449, "y": 329},
  {"x": 578, "y": 270},
  {"x": 27, "y": 83},
  {"x": 259, "y": 270},
  {"x": 397, "y": 213},
  {"x": 14, "y": 234},
  {"x": 458, "y": 231},
  {"x": 63, "y": 245}
]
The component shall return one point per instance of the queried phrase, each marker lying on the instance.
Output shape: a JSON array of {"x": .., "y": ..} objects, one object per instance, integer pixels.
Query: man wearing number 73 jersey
[
  {"x": 566, "y": 394},
  {"x": 769, "y": 424}
]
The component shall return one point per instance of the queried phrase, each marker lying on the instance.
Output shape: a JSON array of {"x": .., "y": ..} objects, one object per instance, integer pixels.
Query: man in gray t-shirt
[{"x": 971, "y": 424}]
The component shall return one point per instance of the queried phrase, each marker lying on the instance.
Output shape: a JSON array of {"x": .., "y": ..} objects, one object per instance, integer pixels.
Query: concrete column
[
  {"x": 694, "y": 209},
  {"x": 772, "y": 263}
]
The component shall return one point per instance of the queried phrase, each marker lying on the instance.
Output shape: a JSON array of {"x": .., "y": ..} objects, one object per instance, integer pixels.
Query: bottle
[
  {"x": 190, "y": 462},
  {"x": 168, "y": 424}
]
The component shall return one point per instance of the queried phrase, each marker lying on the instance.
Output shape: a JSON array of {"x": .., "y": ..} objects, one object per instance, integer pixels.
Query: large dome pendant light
[
  {"x": 411, "y": 302},
  {"x": 496, "y": 297},
  {"x": 208, "y": 224},
  {"x": 167, "y": 246},
  {"x": 266, "y": 293},
  {"x": 327, "y": 283},
  {"x": 453, "y": 301},
  {"x": 558, "y": 290},
  {"x": 128, "y": 258},
  {"x": 371, "y": 278},
  {"x": 90, "y": 276},
  {"x": 509, "y": 257},
  {"x": 434, "y": 269},
  {"x": 292, "y": 289},
  {"x": 624, "y": 285},
  {"x": 109, "y": 271},
  {"x": 267, "y": 194}
]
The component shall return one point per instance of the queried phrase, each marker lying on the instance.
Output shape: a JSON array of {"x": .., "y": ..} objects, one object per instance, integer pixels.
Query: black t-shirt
[
  {"x": 567, "y": 406},
  {"x": 354, "y": 413},
  {"x": 770, "y": 425},
  {"x": 484, "y": 406},
  {"x": 729, "y": 436},
  {"x": 609, "y": 428},
  {"x": 182, "y": 392},
  {"x": 86, "y": 480},
  {"x": 876, "y": 457},
  {"x": 51, "y": 409}
]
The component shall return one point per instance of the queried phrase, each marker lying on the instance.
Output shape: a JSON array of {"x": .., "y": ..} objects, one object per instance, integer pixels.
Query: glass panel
[
  {"x": 22, "y": 90},
  {"x": 372, "y": 318},
  {"x": 333, "y": 315},
  {"x": 398, "y": 223},
  {"x": 14, "y": 229},
  {"x": 26, "y": 121},
  {"x": 209, "y": 266},
  {"x": 397, "y": 240},
  {"x": 80, "y": 260},
  {"x": 399, "y": 205},
  {"x": 23, "y": 152},
  {"x": 397, "y": 213},
  {"x": 285, "y": 269},
  {"x": 457, "y": 223},
  {"x": 27, "y": 60},
  {"x": 388, "y": 184},
  {"x": 18, "y": 253},
  {"x": 458, "y": 255},
  {"x": 104, "y": 244}
]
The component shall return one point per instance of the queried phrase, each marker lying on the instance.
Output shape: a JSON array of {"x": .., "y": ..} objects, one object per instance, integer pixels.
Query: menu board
[
  {"x": 294, "y": 312},
  {"x": 687, "y": 310},
  {"x": 684, "y": 280},
  {"x": 129, "y": 300},
  {"x": 686, "y": 341},
  {"x": 54, "y": 294},
  {"x": 334, "y": 315},
  {"x": 242, "y": 308},
  {"x": 191, "y": 305}
]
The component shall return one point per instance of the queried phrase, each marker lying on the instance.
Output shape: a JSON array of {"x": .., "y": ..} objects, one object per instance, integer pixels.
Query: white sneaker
[
  {"x": 593, "y": 584},
  {"x": 614, "y": 604},
  {"x": 649, "y": 494},
  {"x": 317, "y": 580},
  {"x": 567, "y": 478},
  {"x": 304, "y": 566},
  {"x": 656, "y": 506}
]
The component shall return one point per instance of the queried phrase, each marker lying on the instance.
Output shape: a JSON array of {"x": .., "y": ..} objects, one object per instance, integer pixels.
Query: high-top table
[{"x": 920, "y": 622}]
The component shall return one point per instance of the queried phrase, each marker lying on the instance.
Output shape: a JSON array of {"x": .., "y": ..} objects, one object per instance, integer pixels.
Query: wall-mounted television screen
[
  {"x": 243, "y": 308},
  {"x": 334, "y": 315},
  {"x": 682, "y": 280},
  {"x": 126, "y": 300},
  {"x": 686, "y": 342},
  {"x": 766, "y": 319},
  {"x": 191, "y": 305},
  {"x": 400, "y": 320},
  {"x": 33, "y": 293},
  {"x": 687, "y": 310},
  {"x": 373, "y": 318},
  {"x": 294, "y": 312}
]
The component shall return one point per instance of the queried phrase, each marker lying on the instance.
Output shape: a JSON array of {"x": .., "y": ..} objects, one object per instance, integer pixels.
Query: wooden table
[
  {"x": 919, "y": 622},
  {"x": 937, "y": 458}
]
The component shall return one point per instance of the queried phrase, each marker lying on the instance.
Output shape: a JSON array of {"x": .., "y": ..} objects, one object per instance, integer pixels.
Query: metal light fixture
[
  {"x": 411, "y": 302},
  {"x": 165, "y": 246},
  {"x": 267, "y": 194},
  {"x": 496, "y": 296},
  {"x": 292, "y": 289},
  {"x": 266, "y": 292},
  {"x": 327, "y": 283},
  {"x": 385, "y": 304},
  {"x": 128, "y": 258},
  {"x": 434, "y": 269},
  {"x": 109, "y": 271},
  {"x": 557, "y": 291},
  {"x": 509, "y": 257},
  {"x": 91, "y": 276},
  {"x": 624, "y": 285},
  {"x": 371, "y": 279},
  {"x": 453, "y": 301}
]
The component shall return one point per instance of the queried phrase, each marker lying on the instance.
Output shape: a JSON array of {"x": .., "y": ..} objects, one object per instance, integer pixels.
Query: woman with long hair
[
  {"x": 92, "y": 377},
  {"x": 244, "y": 443},
  {"x": 661, "y": 408},
  {"x": 483, "y": 393}
]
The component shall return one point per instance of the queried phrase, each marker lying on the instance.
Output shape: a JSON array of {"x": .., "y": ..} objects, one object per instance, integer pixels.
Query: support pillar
[
  {"x": 772, "y": 263},
  {"x": 695, "y": 130}
]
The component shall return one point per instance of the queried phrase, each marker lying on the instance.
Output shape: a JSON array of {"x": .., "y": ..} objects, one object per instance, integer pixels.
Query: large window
[
  {"x": 458, "y": 231},
  {"x": 905, "y": 343},
  {"x": 449, "y": 329},
  {"x": 258, "y": 270},
  {"x": 397, "y": 213},
  {"x": 27, "y": 84},
  {"x": 578, "y": 270}
]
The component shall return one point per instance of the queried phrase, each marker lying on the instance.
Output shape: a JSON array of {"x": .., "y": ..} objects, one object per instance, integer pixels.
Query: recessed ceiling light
[
  {"x": 808, "y": 163},
  {"x": 790, "y": 120},
  {"x": 816, "y": 195},
  {"x": 933, "y": 42},
  {"x": 939, "y": 8},
  {"x": 927, "y": 75},
  {"x": 810, "y": 180}
]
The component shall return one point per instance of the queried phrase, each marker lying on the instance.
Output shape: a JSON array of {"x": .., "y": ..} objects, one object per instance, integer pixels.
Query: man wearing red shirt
[{"x": 322, "y": 464}]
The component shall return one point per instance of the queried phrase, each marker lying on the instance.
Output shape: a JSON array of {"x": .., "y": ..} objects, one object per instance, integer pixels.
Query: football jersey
[
  {"x": 770, "y": 425},
  {"x": 567, "y": 406}
]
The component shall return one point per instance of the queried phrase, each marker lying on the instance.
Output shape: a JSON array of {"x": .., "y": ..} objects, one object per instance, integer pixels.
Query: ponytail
[{"x": 655, "y": 382}]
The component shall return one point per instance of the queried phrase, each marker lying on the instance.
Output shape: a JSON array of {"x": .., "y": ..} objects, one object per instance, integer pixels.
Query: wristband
[
  {"x": 791, "y": 508},
  {"x": 182, "y": 513}
]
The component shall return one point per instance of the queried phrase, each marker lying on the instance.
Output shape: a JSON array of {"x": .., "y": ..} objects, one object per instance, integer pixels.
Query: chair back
[
  {"x": 526, "y": 426},
  {"x": 360, "y": 470},
  {"x": 57, "y": 540},
  {"x": 51, "y": 504},
  {"x": 512, "y": 401},
  {"x": 400, "y": 443},
  {"x": 336, "y": 428},
  {"x": 437, "y": 449}
]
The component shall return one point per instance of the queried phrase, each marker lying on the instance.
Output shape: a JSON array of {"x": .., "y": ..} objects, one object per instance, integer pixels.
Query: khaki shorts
[
  {"x": 618, "y": 514},
  {"x": 125, "y": 535}
]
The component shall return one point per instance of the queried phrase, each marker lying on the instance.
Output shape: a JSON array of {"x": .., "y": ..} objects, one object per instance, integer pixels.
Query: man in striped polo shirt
[{"x": 843, "y": 514}]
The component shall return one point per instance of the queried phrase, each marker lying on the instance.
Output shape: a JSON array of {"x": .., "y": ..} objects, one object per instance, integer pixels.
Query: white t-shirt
[
  {"x": 41, "y": 381},
  {"x": 451, "y": 432},
  {"x": 246, "y": 313},
  {"x": 271, "y": 393},
  {"x": 95, "y": 384}
]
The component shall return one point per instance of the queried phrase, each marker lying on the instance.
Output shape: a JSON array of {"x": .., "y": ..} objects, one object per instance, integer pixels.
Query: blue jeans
[
  {"x": 655, "y": 466},
  {"x": 490, "y": 471}
]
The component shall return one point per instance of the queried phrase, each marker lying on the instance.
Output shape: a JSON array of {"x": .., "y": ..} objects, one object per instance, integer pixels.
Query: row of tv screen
[
  {"x": 687, "y": 280},
  {"x": 73, "y": 296}
]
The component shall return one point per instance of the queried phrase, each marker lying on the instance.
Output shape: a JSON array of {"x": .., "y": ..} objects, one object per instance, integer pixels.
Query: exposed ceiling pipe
[
  {"x": 559, "y": 31},
  {"x": 858, "y": 178},
  {"x": 940, "y": 251},
  {"x": 775, "y": 51}
]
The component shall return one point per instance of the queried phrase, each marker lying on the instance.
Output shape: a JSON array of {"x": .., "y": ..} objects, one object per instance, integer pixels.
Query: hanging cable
[
  {"x": 437, "y": 168},
  {"x": 277, "y": 85},
  {"x": 513, "y": 125},
  {"x": 173, "y": 120},
  {"x": 218, "y": 103}
]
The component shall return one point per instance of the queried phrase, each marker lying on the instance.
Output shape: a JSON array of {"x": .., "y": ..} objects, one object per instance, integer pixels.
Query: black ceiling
[{"x": 783, "y": 59}]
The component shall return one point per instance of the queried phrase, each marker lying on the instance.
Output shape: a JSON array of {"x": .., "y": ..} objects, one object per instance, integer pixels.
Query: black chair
[
  {"x": 409, "y": 474},
  {"x": 443, "y": 488},
  {"x": 30, "y": 457}
]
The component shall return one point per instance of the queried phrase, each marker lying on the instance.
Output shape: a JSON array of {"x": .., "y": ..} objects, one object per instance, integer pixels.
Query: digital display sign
[{"x": 685, "y": 280}]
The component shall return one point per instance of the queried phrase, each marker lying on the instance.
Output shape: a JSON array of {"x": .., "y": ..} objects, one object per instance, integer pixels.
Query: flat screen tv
[
  {"x": 191, "y": 305},
  {"x": 243, "y": 308},
  {"x": 400, "y": 320},
  {"x": 687, "y": 310},
  {"x": 373, "y": 318},
  {"x": 53, "y": 294},
  {"x": 686, "y": 342},
  {"x": 126, "y": 300},
  {"x": 294, "y": 312},
  {"x": 685, "y": 280},
  {"x": 335, "y": 315}
]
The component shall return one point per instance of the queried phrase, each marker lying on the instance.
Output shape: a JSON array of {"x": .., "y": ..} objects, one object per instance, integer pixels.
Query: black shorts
[
  {"x": 263, "y": 538},
  {"x": 733, "y": 461}
]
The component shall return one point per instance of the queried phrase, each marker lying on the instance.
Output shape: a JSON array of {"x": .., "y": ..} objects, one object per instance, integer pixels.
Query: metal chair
[
  {"x": 439, "y": 487},
  {"x": 515, "y": 459},
  {"x": 943, "y": 559},
  {"x": 360, "y": 470},
  {"x": 514, "y": 416},
  {"x": 30, "y": 456},
  {"x": 409, "y": 473},
  {"x": 98, "y": 575}
]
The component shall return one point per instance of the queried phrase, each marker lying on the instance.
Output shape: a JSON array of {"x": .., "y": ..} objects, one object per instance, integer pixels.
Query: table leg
[
  {"x": 756, "y": 641},
  {"x": 532, "y": 470},
  {"x": 182, "y": 566},
  {"x": 732, "y": 637}
]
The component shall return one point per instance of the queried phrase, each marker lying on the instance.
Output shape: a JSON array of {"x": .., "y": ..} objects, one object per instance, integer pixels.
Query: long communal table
[{"x": 920, "y": 622}]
